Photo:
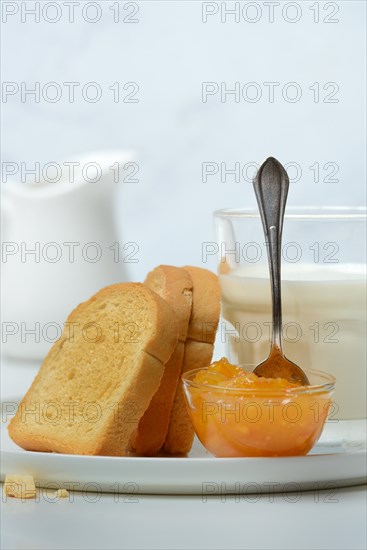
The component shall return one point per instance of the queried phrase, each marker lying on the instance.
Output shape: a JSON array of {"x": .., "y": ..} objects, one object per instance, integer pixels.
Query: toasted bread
[
  {"x": 174, "y": 285},
  {"x": 198, "y": 353},
  {"x": 100, "y": 376}
]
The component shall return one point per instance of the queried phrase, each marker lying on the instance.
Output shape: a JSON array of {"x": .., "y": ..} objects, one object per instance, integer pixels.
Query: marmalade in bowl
[{"x": 236, "y": 413}]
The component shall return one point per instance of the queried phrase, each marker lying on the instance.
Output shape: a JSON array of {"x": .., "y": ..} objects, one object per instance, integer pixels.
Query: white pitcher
[{"x": 59, "y": 246}]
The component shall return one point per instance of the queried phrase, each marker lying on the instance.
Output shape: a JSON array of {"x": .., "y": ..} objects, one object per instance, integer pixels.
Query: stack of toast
[{"x": 111, "y": 384}]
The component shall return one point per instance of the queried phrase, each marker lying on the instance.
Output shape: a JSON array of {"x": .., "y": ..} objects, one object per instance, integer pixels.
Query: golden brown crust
[
  {"x": 198, "y": 353},
  {"x": 175, "y": 286},
  {"x": 129, "y": 369},
  {"x": 151, "y": 433},
  {"x": 181, "y": 433},
  {"x": 205, "y": 305}
]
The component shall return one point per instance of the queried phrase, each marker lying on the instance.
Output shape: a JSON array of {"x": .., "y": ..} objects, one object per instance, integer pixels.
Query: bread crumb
[
  {"x": 62, "y": 493},
  {"x": 19, "y": 486}
]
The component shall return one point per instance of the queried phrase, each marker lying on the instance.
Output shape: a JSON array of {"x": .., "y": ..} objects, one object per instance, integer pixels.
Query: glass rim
[
  {"x": 327, "y": 386},
  {"x": 300, "y": 213}
]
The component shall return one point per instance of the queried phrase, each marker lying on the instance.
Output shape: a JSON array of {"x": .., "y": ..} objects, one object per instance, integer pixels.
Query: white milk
[{"x": 324, "y": 323}]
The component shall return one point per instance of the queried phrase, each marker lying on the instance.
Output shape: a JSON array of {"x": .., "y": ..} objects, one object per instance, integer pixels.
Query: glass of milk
[{"x": 323, "y": 295}]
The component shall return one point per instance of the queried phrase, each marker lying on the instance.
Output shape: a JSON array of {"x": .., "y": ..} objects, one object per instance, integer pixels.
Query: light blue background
[{"x": 169, "y": 53}]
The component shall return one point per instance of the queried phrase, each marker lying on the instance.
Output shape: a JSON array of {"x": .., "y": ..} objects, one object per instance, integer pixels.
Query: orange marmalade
[{"x": 236, "y": 413}]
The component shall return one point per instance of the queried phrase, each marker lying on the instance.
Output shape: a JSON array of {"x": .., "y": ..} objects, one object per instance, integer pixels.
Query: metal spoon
[{"x": 271, "y": 188}]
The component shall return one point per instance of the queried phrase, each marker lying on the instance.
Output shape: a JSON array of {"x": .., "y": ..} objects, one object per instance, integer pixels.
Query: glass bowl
[{"x": 258, "y": 422}]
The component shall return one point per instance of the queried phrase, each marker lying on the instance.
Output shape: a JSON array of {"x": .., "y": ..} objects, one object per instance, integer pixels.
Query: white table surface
[
  {"x": 177, "y": 522},
  {"x": 307, "y": 520}
]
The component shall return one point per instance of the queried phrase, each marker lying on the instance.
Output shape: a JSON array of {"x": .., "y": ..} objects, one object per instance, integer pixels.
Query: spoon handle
[{"x": 271, "y": 188}]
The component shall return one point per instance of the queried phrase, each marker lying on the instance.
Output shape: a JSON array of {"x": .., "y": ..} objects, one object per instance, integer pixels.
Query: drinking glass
[{"x": 323, "y": 294}]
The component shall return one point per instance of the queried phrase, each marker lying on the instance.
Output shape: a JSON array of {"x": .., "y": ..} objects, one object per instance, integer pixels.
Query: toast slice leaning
[
  {"x": 198, "y": 353},
  {"x": 99, "y": 377},
  {"x": 174, "y": 285}
]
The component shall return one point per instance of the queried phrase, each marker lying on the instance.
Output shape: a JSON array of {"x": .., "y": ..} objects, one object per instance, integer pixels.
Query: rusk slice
[
  {"x": 174, "y": 285},
  {"x": 99, "y": 377},
  {"x": 198, "y": 353}
]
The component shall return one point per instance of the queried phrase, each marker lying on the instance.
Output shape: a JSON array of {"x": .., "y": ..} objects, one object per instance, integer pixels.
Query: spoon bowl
[{"x": 278, "y": 366}]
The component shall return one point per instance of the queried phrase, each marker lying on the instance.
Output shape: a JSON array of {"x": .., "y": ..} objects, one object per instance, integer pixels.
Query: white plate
[{"x": 338, "y": 460}]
